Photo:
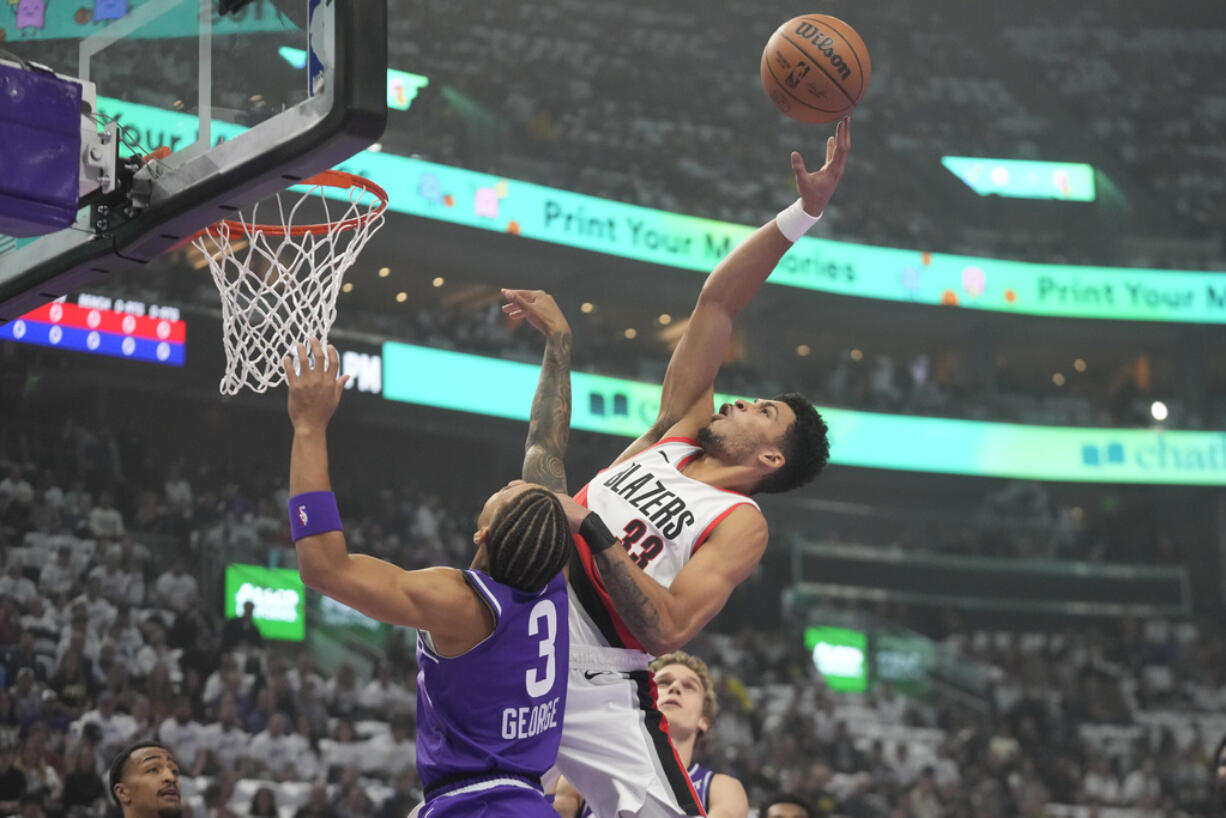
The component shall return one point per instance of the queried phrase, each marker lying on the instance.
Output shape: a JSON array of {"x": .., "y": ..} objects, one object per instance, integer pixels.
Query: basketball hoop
[{"x": 279, "y": 282}]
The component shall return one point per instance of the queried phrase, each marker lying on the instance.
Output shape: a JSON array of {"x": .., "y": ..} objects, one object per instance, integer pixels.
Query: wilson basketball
[{"x": 815, "y": 68}]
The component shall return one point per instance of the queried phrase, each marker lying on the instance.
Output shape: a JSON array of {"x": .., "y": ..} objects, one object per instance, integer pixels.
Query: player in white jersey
[{"x": 678, "y": 499}]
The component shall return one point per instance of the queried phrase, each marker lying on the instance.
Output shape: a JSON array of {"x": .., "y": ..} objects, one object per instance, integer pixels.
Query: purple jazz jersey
[{"x": 498, "y": 707}]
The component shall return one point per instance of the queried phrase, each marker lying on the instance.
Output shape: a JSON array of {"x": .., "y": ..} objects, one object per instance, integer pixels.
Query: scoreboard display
[{"x": 103, "y": 326}]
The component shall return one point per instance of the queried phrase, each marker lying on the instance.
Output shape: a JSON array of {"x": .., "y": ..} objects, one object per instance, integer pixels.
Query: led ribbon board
[
  {"x": 615, "y": 406},
  {"x": 402, "y": 86},
  {"x": 98, "y": 325},
  {"x": 279, "y": 597},
  {"x": 1024, "y": 179},
  {"x": 50, "y": 20},
  {"x": 686, "y": 242}
]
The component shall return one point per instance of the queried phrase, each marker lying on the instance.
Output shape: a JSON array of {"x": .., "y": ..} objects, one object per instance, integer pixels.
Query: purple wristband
[{"x": 313, "y": 512}]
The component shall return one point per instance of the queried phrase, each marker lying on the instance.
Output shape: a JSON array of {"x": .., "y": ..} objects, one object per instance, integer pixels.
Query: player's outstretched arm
[
  {"x": 665, "y": 619},
  {"x": 686, "y": 404},
  {"x": 433, "y": 599},
  {"x": 727, "y": 798},
  {"x": 549, "y": 423}
]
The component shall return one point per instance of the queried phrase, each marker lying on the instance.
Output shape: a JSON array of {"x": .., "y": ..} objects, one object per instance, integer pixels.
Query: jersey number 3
[{"x": 543, "y": 611}]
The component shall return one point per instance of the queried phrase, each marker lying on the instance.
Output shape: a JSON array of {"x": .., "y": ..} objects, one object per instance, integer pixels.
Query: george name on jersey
[
  {"x": 526, "y": 722},
  {"x": 644, "y": 491}
]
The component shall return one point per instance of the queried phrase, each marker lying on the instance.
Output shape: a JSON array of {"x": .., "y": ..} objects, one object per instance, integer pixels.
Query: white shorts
[{"x": 615, "y": 746}]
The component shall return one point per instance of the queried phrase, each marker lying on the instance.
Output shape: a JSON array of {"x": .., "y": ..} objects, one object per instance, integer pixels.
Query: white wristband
[{"x": 794, "y": 222}]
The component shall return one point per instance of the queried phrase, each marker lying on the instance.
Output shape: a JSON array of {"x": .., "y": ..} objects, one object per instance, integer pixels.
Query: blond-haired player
[{"x": 685, "y": 695}]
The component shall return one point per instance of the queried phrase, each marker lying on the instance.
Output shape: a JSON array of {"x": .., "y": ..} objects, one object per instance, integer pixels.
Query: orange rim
[{"x": 329, "y": 178}]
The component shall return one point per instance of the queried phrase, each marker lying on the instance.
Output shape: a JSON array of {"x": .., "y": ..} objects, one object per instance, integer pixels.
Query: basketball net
[{"x": 279, "y": 282}]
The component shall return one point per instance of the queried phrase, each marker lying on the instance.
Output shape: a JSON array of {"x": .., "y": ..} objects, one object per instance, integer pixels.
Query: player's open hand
[
  {"x": 314, "y": 390},
  {"x": 538, "y": 308},
  {"x": 817, "y": 187}
]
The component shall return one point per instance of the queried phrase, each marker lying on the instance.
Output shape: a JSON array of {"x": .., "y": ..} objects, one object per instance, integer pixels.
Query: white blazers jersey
[{"x": 662, "y": 517}]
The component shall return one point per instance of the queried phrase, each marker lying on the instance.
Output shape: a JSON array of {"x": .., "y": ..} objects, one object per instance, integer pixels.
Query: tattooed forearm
[
  {"x": 549, "y": 427},
  {"x": 631, "y": 602}
]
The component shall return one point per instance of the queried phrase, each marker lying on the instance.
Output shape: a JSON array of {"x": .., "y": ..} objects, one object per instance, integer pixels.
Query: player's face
[
  {"x": 786, "y": 811},
  {"x": 489, "y": 512},
  {"x": 743, "y": 429},
  {"x": 150, "y": 784},
  {"x": 679, "y": 694}
]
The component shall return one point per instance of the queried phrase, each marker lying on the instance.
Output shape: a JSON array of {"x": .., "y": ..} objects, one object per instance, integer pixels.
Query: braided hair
[{"x": 529, "y": 541}]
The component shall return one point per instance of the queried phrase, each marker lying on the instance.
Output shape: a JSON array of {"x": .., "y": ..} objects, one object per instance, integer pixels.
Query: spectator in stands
[
  {"x": 12, "y": 781},
  {"x": 353, "y": 803},
  {"x": 395, "y": 751},
  {"x": 15, "y": 585},
  {"x": 215, "y": 802},
  {"x": 144, "y": 781},
  {"x": 82, "y": 785},
  {"x": 272, "y": 752},
  {"x": 41, "y": 621},
  {"x": 178, "y": 492},
  {"x": 106, "y": 521},
  {"x": 32, "y": 761},
  {"x": 73, "y": 682},
  {"x": 786, "y": 805},
  {"x": 341, "y": 692},
  {"x": 182, "y": 734},
  {"x": 9, "y": 727},
  {"x": 27, "y": 694},
  {"x": 1100, "y": 785},
  {"x": 1218, "y": 775},
  {"x": 112, "y": 580},
  {"x": 58, "y": 577},
  {"x": 241, "y": 631},
  {"x": 156, "y": 653},
  {"x": 1141, "y": 786},
  {"x": 264, "y": 804},
  {"x": 382, "y": 695},
  {"x": 818, "y": 791},
  {"x": 98, "y": 611},
  {"x": 116, "y": 728},
  {"x": 22, "y": 655},
  {"x": 174, "y": 588},
  {"x": 134, "y": 580},
  {"x": 223, "y": 743},
  {"x": 406, "y": 796},
  {"x": 341, "y": 751},
  {"x": 317, "y": 805},
  {"x": 304, "y": 669},
  {"x": 304, "y": 747}
]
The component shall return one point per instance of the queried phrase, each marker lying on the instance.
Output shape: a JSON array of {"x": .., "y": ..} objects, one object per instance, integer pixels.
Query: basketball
[{"x": 815, "y": 68}]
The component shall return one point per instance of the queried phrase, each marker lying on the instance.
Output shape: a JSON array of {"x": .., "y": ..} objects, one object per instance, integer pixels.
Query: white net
[{"x": 279, "y": 285}]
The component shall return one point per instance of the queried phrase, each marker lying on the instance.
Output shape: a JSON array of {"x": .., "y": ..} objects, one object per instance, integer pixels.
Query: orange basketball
[{"x": 815, "y": 68}]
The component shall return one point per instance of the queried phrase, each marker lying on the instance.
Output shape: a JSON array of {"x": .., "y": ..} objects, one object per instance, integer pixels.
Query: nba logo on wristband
[{"x": 313, "y": 512}]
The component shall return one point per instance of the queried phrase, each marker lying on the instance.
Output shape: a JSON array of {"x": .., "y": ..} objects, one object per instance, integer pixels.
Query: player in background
[
  {"x": 677, "y": 506},
  {"x": 686, "y": 697},
  {"x": 144, "y": 781},
  {"x": 492, "y": 643},
  {"x": 786, "y": 805}
]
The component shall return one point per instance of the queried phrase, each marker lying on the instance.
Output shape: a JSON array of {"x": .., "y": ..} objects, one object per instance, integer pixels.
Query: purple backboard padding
[{"x": 40, "y": 141}]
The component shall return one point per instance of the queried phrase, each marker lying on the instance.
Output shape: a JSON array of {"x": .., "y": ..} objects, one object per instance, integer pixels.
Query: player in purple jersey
[
  {"x": 493, "y": 641},
  {"x": 685, "y": 695}
]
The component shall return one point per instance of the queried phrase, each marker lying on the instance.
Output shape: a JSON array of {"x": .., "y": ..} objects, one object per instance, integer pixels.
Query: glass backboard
[{"x": 211, "y": 81}]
